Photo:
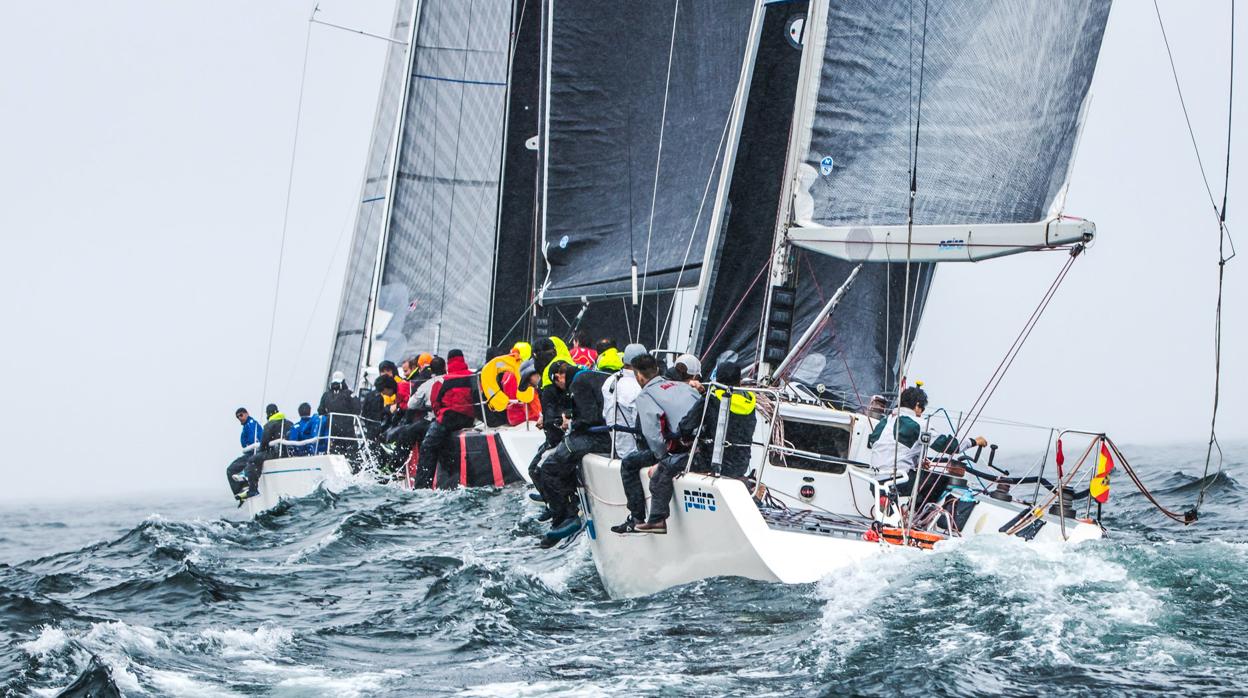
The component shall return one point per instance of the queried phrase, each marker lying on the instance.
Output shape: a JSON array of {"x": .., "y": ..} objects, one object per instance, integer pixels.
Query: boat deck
[{"x": 816, "y": 523}]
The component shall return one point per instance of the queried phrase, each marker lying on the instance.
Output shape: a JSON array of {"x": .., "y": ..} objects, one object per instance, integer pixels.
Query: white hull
[
  {"x": 522, "y": 442},
  {"x": 715, "y": 530},
  {"x": 287, "y": 478}
]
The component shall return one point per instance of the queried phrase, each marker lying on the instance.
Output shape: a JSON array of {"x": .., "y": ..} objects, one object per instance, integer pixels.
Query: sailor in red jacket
[{"x": 451, "y": 401}]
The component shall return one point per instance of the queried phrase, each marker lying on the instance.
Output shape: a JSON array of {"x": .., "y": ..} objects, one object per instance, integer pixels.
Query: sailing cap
[
  {"x": 527, "y": 370},
  {"x": 424, "y": 359},
  {"x": 633, "y": 351},
  {"x": 338, "y": 377},
  {"x": 692, "y": 366}
]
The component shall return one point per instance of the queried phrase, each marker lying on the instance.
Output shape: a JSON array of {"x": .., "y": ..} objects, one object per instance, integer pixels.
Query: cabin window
[{"x": 827, "y": 440}]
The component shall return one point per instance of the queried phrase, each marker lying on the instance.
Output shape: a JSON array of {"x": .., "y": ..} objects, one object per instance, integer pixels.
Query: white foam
[
  {"x": 51, "y": 640},
  {"x": 309, "y": 680},
  {"x": 172, "y": 683},
  {"x": 267, "y": 640}
]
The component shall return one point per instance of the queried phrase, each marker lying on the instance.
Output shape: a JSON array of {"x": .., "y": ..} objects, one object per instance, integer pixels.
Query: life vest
[{"x": 491, "y": 388}]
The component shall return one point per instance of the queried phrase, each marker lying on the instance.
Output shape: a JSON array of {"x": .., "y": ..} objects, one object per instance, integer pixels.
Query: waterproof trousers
[
  {"x": 253, "y": 465},
  {"x": 558, "y": 472},
  {"x": 436, "y": 450},
  {"x": 661, "y": 486},
  {"x": 630, "y": 475}
]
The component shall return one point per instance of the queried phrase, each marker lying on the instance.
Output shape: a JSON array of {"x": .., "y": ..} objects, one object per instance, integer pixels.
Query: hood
[
  {"x": 277, "y": 416},
  {"x": 457, "y": 364},
  {"x": 561, "y": 354},
  {"x": 610, "y": 360}
]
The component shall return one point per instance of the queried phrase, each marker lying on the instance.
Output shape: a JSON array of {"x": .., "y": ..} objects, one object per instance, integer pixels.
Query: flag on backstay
[{"x": 1098, "y": 488}]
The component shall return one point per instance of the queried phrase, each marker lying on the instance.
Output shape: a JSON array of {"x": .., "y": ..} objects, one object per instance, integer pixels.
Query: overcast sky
[{"x": 144, "y": 152}]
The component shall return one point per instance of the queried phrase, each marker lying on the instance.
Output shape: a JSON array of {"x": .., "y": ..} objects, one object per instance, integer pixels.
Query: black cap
[
  {"x": 387, "y": 364},
  {"x": 270, "y": 410},
  {"x": 454, "y": 353},
  {"x": 728, "y": 373}
]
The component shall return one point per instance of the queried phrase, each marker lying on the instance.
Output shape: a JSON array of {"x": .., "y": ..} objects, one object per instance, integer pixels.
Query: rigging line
[
  {"x": 290, "y": 182},
  {"x": 346, "y": 225},
  {"x": 903, "y": 355},
  {"x": 723, "y": 136},
  {"x": 977, "y": 408},
  {"x": 1222, "y": 259},
  {"x": 658, "y": 161},
  {"x": 1183, "y": 103},
  {"x": 356, "y": 31}
]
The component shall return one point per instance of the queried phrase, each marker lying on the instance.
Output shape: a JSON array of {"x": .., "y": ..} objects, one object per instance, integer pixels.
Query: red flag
[{"x": 1061, "y": 458}]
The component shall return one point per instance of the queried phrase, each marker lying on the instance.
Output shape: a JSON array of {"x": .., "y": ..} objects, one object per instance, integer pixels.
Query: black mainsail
[{"x": 639, "y": 106}]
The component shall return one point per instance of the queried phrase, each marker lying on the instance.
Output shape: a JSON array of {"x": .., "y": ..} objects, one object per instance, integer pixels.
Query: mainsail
[
  {"x": 437, "y": 266},
  {"x": 353, "y": 308},
  {"x": 640, "y": 97},
  {"x": 1003, "y": 86}
]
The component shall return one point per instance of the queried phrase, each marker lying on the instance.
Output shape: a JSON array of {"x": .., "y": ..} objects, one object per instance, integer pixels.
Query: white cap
[
  {"x": 692, "y": 366},
  {"x": 338, "y": 377}
]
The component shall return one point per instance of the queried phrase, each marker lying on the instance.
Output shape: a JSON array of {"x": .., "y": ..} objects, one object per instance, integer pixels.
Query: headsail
[
  {"x": 1003, "y": 87},
  {"x": 349, "y": 339},
  {"x": 610, "y": 96}
]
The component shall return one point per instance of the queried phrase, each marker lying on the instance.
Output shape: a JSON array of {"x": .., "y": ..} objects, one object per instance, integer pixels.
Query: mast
[
  {"x": 815, "y": 32},
  {"x": 371, "y": 309}
]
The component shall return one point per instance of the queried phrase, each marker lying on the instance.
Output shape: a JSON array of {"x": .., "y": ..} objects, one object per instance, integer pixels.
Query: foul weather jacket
[
  {"x": 307, "y": 428},
  {"x": 451, "y": 398},
  {"x": 704, "y": 415},
  {"x": 340, "y": 402},
  {"x": 895, "y": 439},
  {"x": 278, "y": 427},
  {"x": 587, "y": 400},
  {"x": 660, "y": 407},
  {"x": 251, "y": 432}
]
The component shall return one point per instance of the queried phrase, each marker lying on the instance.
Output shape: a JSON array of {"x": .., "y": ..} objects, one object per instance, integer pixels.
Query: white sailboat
[{"x": 869, "y": 205}]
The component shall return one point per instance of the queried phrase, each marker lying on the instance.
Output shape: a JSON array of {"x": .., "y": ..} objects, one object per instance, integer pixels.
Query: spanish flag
[{"x": 1098, "y": 488}]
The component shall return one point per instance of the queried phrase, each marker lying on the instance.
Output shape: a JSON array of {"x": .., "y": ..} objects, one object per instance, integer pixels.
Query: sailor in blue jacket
[
  {"x": 308, "y": 427},
  {"x": 251, "y": 428}
]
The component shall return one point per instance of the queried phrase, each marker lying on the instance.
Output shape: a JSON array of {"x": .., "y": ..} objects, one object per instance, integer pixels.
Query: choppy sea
[{"x": 373, "y": 591}]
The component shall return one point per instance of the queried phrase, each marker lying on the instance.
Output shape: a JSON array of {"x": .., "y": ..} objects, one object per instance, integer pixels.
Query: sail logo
[
  {"x": 951, "y": 245},
  {"x": 696, "y": 500},
  {"x": 826, "y": 165}
]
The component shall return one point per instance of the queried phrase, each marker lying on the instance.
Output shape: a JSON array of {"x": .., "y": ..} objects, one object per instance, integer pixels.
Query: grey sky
[{"x": 145, "y": 148}]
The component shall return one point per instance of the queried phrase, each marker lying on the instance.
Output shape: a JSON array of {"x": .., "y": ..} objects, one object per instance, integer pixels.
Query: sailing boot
[
  {"x": 629, "y": 526},
  {"x": 659, "y": 526}
]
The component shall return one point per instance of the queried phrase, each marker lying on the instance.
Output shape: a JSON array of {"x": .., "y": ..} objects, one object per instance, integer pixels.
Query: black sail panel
[
  {"x": 739, "y": 281},
  {"x": 608, "y": 83},
  {"x": 518, "y": 232}
]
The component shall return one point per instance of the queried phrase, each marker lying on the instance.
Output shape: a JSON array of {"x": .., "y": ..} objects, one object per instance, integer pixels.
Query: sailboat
[{"x": 829, "y": 207}]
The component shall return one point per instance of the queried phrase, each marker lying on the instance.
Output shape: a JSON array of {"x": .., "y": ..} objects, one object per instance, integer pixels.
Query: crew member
[
  {"x": 586, "y": 433},
  {"x": 660, "y": 406},
  {"x": 450, "y": 399},
  {"x": 582, "y": 353},
  {"x": 244, "y": 473},
  {"x": 338, "y": 405},
  {"x": 308, "y": 427},
  {"x": 701, "y": 423},
  {"x": 895, "y": 444},
  {"x": 619, "y": 392},
  {"x": 251, "y": 428}
]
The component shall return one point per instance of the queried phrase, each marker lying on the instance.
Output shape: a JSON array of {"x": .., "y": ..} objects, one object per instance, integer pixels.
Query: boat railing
[{"x": 285, "y": 446}]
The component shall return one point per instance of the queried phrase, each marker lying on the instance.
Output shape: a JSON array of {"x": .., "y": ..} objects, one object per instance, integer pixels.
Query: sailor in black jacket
[
  {"x": 702, "y": 421},
  {"x": 587, "y": 433}
]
